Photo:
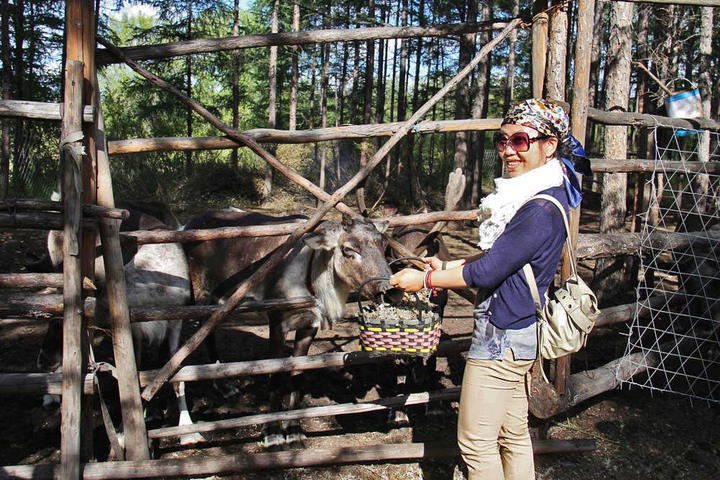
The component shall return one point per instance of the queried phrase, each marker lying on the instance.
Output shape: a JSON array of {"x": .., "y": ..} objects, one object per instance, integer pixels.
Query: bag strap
[
  {"x": 554, "y": 201},
  {"x": 530, "y": 277},
  {"x": 527, "y": 269}
]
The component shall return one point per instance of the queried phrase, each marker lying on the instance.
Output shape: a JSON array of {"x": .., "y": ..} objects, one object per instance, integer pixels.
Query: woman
[{"x": 493, "y": 433}]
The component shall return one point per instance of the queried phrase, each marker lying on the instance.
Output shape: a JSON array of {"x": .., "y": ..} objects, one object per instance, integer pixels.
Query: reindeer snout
[{"x": 391, "y": 294}]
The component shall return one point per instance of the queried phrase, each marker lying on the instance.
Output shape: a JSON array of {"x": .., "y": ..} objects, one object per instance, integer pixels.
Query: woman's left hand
[{"x": 408, "y": 279}]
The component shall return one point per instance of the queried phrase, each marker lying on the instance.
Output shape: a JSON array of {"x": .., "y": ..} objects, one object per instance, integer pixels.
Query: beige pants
[{"x": 493, "y": 433}]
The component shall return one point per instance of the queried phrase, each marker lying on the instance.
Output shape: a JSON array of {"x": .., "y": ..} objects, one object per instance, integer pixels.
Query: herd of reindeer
[{"x": 328, "y": 264}]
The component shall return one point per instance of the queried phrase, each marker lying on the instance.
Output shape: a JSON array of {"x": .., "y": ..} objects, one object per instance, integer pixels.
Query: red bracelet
[{"x": 428, "y": 280}]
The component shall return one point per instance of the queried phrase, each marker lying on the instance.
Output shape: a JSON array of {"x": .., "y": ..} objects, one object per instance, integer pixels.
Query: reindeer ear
[
  {"x": 381, "y": 225},
  {"x": 325, "y": 237}
]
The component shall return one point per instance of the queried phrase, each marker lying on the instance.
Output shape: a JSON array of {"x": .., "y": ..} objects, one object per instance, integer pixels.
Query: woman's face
[{"x": 538, "y": 150}]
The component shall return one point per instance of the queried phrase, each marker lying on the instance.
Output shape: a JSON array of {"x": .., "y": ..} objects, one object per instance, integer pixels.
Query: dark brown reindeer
[{"x": 329, "y": 263}]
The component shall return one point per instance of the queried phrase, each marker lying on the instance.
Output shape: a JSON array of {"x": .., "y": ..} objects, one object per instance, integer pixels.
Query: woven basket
[
  {"x": 409, "y": 337},
  {"x": 409, "y": 329}
]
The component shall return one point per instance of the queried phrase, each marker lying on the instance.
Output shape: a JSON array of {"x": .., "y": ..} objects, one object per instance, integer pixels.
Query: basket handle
[{"x": 404, "y": 259}]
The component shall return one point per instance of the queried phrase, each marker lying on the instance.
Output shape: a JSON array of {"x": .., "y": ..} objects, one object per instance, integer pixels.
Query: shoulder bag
[{"x": 570, "y": 311}]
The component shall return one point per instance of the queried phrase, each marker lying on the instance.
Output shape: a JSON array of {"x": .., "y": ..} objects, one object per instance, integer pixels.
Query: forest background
[{"x": 318, "y": 85}]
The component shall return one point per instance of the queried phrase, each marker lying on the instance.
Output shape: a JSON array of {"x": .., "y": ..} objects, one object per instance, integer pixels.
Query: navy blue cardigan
[{"x": 536, "y": 234}]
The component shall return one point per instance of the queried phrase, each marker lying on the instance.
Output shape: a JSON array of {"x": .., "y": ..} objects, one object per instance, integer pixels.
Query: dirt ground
[{"x": 637, "y": 433}]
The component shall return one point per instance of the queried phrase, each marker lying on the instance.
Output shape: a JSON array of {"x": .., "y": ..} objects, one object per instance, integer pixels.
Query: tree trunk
[
  {"x": 462, "y": 91},
  {"x": 355, "y": 82},
  {"x": 381, "y": 70},
  {"x": 6, "y": 79},
  {"x": 343, "y": 75},
  {"x": 20, "y": 83},
  {"x": 539, "y": 47},
  {"x": 367, "y": 110},
  {"x": 313, "y": 85},
  {"x": 645, "y": 137},
  {"x": 509, "y": 94},
  {"x": 697, "y": 220},
  {"x": 272, "y": 98},
  {"x": 611, "y": 273},
  {"x": 395, "y": 63},
  {"x": 479, "y": 110},
  {"x": 402, "y": 75},
  {"x": 555, "y": 81},
  {"x": 415, "y": 160},
  {"x": 292, "y": 120},
  {"x": 661, "y": 58},
  {"x": 188, "y": 92},
  {"x": 402, "y": 154},
  {"x": 323, "y": 101},
  {"x": 235, "y": 81}
]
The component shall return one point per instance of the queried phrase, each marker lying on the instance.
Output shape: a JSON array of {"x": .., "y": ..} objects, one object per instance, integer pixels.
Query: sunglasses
[{"x": 520, "y": 141}]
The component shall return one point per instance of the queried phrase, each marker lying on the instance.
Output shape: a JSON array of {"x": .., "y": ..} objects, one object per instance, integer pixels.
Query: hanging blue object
[{"x": 573, "y": 161}]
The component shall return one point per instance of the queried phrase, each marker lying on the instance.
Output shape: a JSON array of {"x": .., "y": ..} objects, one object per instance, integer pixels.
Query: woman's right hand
[{"x": 434, "y": 262}]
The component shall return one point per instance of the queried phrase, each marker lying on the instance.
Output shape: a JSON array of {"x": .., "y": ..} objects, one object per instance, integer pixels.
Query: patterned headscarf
[
  {"x": 545, "y": 117},
  {"x": 550, "y": 119}
]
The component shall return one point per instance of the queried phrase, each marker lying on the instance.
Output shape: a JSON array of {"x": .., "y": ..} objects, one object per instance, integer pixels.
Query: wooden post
[
  {"x": 578, "y": 125},
  {"x": 539, "y": 50},
  {"x": 136, "y": 447},
  {"x": 80, "y": 46},
  {"x": 581, "y": 82},
  {"x": 136, "y": 444},
  {"x": 74, "y": 358}
]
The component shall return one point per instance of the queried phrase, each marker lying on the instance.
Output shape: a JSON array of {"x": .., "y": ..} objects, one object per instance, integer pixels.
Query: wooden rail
[
  {"x": 190, "y": 47},
  {"x": 39, "y": 110},
  {"x": 211, "y": 465}
]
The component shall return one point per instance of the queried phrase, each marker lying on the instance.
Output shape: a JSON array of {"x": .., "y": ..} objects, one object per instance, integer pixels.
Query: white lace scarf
[{"x": 499, "y": 207}]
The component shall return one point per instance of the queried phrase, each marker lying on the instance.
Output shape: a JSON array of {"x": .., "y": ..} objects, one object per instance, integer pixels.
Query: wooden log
[
  {"x": 589, "y": 245},
  {"x": 39, "y": 306},
  {"x": 38, "y": 221},
  {"x": 39, "y": 110},
  {"x": 166, "y": 236},
  {"x": 588, "y": 384},
  {"x": 87, "y": 210},
  {"x": 645, "y": 120},
  {"x": 50, "y": 305},
  {"x": 31, "y": 280},
  {"x": 189, "y": 47},
  {"x": 136, "y": 446},
  {"x": 39, "y": 383},
  {"x": 698, "y": 3},
  {"x": 601, "y": 165},
  {"x": 269, "y": 135},
  {"x": 421, "y": 398},
  {"x": 193, "y": 312},
  {"x": 212, "y": 465},
  {"x": 330, "y": 202},
  {"x": 214, "y": 371},
  {"x": 624, "y": 313},
  {"x": 74, "y": 359},
  {"x": 596, "y": 245}
]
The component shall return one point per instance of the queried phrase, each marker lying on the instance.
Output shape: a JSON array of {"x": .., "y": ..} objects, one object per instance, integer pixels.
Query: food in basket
[
  {"x": 411, "y": 307},
  {"x": 411, "y": 326}
]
